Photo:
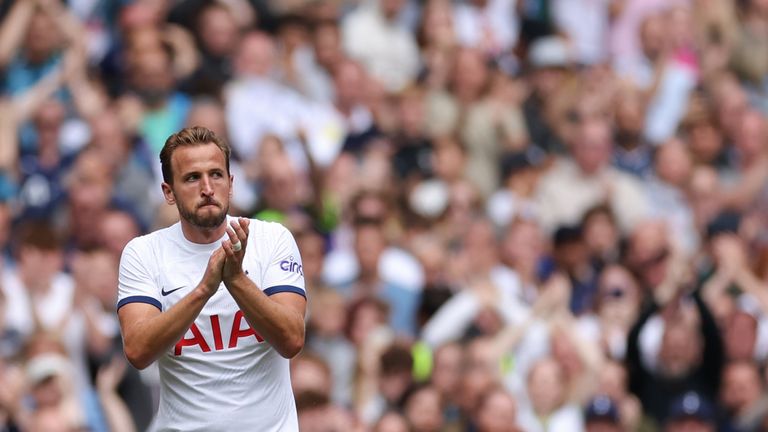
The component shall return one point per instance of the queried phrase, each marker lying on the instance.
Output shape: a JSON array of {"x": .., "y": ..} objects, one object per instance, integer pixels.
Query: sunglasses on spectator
[{"x": 615, "y": 293}]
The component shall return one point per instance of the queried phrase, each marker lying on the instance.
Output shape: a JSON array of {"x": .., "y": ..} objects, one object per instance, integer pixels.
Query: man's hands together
[
  {"x": 233, "y": 264},
  {"x": 226, "y": 264}
]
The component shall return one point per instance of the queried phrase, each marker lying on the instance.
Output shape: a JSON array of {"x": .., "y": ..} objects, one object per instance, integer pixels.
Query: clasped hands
[{"x": 226, "y": 262}]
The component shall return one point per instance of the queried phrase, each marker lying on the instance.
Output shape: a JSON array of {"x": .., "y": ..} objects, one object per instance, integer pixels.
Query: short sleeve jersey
[{"x": 221, "y": 376}]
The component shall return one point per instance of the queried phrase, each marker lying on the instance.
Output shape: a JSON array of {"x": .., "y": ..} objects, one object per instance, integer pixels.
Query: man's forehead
[{"x": 201, "y": 157}]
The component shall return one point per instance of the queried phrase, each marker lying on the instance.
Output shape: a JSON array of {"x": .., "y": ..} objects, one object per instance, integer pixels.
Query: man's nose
[{"x": 206, "y": 186}]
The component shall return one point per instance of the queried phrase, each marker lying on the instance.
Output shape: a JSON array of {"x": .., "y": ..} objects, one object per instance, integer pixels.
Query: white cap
[
  {"x": 550, "y": 51},
  {"x": 429, "y": 198},
  {"x": 47, "y": 365}
]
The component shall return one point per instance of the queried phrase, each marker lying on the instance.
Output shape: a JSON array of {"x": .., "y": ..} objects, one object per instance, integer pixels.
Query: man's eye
[{"x": 217, "y": 175}]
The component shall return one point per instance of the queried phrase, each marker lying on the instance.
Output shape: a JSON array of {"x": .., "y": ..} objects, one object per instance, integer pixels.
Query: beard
[{"x": 209, "y": 220}]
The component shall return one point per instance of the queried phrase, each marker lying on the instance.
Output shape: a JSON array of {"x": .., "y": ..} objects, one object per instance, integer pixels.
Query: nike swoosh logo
[{"x": 165, "y": 293}]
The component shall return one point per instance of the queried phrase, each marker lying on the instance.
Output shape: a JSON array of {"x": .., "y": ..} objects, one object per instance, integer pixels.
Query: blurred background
[{"x": 514, "y": 215}]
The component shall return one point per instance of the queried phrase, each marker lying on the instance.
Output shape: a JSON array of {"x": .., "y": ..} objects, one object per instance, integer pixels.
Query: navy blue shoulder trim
[
  {"x": 285, "y": 288},
  {"x": 140, "y": 299}
]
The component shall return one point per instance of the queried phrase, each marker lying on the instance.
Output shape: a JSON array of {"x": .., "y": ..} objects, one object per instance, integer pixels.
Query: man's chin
[
  {"x": 210, "y": 222},
  {"x": 208, "y": 217}
]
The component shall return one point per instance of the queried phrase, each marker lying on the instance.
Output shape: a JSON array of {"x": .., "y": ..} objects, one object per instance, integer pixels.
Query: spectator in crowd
[
  {"x": 391, "y": 421},
  {"x": 571, "y": 258},
  {"x": 575, "y": 184},
  {"x": 95, "y": 275},
  {"x": 687, "y": 355},
  {"x": 733, "y": 291},
  {"x": 327, "y": 320},
  {"x": 674, "y": 67},
  {"x": 38, "y": 292},
  {"x": 477, "y": 379},
  {"x": 373, "y": 35},
  {"x": 423, "y": 409},
  {"x": 350, "y": 79},
  {"x": 548, "y": 60},
  {"x": 218, "y": 33},
  {"x": 691, "y": 412},
  {"x": 42, "y": 172},
  {"x": 311, "y": 381},
  {"x": 313, "y": 68},
  {"x": 602, "y": 415},
  {"x": 649, "y": 254},
  {"x": 116, "y": 229},
  {"x": 741, "y": 395},
  {"x": 35, "y": 36},
  {"x": 494, "y": 126},
  {"x": 747, "y": 187},
  {"x": 491, "y": 26},
  {"x": 162, "y": 108},
  {"x": 673, "y": 168},
  {"x": 412, "y": 146},
  {"x": 258, "y": 104},
  {"x": 615, "y": 308},
  {"x": 699, "y": 129},
  {"x": 522, "y": 251},
  {"x": 633, "y": 152},
  {"x": 703, "y": 193},
  {"x": 384, "y": 377},
  {"x": 615, "y": 386},
  {"x": 11, "y": 412},
  {"x": 90, "y": 195},
  {"x": 549, "y": 409},
  {"x": 311, "y": 376},
  {"x": 447, "y": 367},
  {"x": 497, "y": 411},
  {"x": 601, "y": 235},
  {"x": 586, "y": 23},
  {"x": 126, "y": 160},
  {"x": 751, "y": 68},
  {"x": 370, "y": 244},
  {"x": 519, "y": 173}
]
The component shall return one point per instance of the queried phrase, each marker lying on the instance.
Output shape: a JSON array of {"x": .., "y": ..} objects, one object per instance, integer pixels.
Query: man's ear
[
  {"x": 170, "y": 198},
  {"x": 231, "y": 185}
]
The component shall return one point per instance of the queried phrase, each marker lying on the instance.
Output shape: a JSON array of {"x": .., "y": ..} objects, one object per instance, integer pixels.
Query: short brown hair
[
  {"x": 39, "y": 234},
  {"x": 190, "y": 136}
]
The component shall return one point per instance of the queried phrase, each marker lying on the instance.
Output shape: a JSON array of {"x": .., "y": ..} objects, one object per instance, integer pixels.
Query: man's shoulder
[
  {"x": 150, "y": 240},
  {"x": 268, "y": 229}
]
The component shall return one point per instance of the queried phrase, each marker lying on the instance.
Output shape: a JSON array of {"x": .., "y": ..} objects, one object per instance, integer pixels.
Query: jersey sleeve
[
  {"x": 285, "y": 272},
  {"x": 135, "y": 281}
]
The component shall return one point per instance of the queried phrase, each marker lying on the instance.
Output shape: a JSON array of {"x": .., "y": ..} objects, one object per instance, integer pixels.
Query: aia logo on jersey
[
  {"x": 291, "y": 266},
  {"x": 235, "y": 334}
]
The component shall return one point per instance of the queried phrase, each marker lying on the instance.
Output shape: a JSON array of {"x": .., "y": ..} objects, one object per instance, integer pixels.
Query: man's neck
[{"x": 203, "y": 235}]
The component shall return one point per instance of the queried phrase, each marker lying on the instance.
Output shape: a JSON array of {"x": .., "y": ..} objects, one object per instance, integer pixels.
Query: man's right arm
[{"x": 147, "y": 331}]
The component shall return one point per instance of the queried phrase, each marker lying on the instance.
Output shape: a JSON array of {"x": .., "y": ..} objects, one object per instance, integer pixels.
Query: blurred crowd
[{"x": 513, "y": 215}]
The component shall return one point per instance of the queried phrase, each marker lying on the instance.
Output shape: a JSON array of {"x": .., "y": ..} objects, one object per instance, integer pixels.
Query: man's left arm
[{"x": 277, "y": 316}]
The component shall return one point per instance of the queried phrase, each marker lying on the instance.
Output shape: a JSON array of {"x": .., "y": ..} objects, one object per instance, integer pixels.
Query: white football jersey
[{"x": 221, "y": 376}]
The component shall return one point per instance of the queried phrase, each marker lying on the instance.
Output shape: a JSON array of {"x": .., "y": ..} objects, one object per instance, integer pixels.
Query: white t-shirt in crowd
[
  {"x": 55, "y": 311},
  {"x": 221, "y": 376}
]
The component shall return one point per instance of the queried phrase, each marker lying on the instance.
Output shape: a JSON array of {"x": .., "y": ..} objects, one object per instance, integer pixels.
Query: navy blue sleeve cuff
[
  {"x": 285, "y": 288},
  {"x": 140, "y": 299}
]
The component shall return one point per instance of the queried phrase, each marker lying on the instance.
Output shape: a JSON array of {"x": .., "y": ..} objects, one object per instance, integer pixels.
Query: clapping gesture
[{"x": 234, "y": 248}]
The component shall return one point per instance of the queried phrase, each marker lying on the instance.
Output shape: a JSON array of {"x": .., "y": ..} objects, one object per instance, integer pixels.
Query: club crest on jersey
[{"x": 292, "y": 266}]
